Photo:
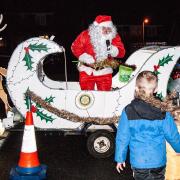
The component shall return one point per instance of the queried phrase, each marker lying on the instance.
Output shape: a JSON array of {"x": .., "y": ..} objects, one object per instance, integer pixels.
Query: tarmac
[{"x": 66, "y": 157}]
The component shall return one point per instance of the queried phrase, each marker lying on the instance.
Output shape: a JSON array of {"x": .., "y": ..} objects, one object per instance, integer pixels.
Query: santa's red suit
[{"x": 93, "y": 46}]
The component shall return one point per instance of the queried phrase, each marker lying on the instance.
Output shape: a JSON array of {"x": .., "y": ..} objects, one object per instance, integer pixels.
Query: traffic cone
[{"x": 28, "y": 167}]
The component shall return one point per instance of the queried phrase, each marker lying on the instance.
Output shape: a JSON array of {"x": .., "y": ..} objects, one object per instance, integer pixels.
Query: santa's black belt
[{"x": 93, "y": 67}]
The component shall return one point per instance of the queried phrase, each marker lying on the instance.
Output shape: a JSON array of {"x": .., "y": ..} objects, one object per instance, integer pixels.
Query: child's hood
[{"x": 139, "y": 109}]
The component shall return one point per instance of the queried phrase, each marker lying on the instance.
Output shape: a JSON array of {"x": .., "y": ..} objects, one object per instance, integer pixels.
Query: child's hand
[{"x": 120, "y": 166}]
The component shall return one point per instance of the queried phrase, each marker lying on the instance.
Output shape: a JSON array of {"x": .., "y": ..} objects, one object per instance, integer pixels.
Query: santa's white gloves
[
  {"x": 86, "y": 58},
  {"x": 114, "y": 51}
]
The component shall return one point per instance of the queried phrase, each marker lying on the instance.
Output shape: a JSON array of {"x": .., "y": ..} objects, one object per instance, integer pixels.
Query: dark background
[
  {"x": 67, "y": 18},
  {"x": 68, "y": 157}
]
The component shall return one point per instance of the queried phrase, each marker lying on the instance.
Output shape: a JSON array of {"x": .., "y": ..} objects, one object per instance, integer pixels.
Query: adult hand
[
  {"x": 120, "y": 166},
  {"x": 86, "y": 58},
  {"x": 114, "y": 51}
]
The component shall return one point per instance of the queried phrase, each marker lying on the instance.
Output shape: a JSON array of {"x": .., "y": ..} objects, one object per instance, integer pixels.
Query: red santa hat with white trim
[{"x": 103, "y": 20}]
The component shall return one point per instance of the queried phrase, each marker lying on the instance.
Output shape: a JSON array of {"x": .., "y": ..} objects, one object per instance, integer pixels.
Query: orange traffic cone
[{"x": 28, "y": 167}]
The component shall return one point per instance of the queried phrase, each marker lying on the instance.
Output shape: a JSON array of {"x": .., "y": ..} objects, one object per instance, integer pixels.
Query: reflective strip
[{"x": 29, "y": 140}]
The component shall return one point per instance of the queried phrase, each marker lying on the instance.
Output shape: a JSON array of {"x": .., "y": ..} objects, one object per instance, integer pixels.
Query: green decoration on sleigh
[{"x": 125, "y": 73}]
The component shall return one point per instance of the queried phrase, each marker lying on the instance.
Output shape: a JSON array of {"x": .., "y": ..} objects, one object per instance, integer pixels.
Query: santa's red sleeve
[
  {"x": 77, "y": 46},
  {"x": 118, "y": 47}
]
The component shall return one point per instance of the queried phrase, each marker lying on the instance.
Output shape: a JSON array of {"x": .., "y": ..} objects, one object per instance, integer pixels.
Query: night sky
[
  {"x": 70, "y": 17},
  {"x": 122, "y": 11}
]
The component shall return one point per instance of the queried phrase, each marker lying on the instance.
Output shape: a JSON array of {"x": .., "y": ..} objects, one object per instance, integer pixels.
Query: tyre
[{"x": 100, "y": 144}]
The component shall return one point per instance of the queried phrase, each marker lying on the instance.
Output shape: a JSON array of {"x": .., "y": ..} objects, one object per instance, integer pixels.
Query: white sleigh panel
[{"x": 62, "y": 105}]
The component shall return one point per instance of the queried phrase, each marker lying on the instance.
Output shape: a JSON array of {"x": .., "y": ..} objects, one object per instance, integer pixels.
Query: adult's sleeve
[
  {"x": 78, "y": 48},
  {"x": 122, "y": 138},
  {"x": 118, "y": 47},
  {"x": 171, "y": 132}
]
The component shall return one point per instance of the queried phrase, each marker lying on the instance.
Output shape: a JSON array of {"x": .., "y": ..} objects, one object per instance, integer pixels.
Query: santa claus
[{"x": 99, "y": 42}]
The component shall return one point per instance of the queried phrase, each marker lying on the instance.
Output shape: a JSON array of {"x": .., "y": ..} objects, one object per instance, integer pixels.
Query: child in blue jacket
[{"x": 145, "y": 129}]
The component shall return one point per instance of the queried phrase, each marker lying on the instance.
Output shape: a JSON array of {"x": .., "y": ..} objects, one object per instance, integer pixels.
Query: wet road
[{"x": 67, "y": 158}]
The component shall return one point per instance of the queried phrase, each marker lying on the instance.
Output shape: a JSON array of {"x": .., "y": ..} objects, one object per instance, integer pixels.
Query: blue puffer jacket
[{"x": 145, "y": 129}]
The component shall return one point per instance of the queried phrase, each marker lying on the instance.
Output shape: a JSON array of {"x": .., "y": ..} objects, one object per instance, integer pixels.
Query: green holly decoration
[
  {"x": 39, "y": 111},
  {"x": 44, "y": 116},
  {"x": 38, "y": 47},
  {"x": 33, "y": 47},
  {"x": 162, "y": 62},
  {"x": 156, "y": 73},
  {"x": 50, "y": 99},
  {"x": 38, "y": 105},
  {"x": 165, "y": 60},
  {"x": 29, "y": 62},
  {"x": 27, "y": 99}
]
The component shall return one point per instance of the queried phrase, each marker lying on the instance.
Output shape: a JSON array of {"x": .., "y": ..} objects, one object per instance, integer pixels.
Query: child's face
[{"x": 149, "y": 87}]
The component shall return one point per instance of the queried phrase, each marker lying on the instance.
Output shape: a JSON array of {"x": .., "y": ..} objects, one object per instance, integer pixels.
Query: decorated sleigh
[{"x": 64, "y": 106}]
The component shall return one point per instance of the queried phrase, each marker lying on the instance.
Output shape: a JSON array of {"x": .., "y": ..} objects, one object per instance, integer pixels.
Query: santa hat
[{"x": 103, "y": 20}]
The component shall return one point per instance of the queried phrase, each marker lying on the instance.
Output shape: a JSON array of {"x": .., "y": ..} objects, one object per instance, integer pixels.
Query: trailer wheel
[{"x": 100, "y": 144}]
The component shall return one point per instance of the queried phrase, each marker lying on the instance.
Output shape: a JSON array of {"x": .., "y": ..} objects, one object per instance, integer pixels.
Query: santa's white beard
[{"x": 98, "y": 41}]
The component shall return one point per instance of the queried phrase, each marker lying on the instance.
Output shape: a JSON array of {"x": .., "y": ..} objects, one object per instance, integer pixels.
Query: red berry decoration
[
  {"x": 33, "y": 109},
  {"x": 26, "y": 49},
  {"x": 156, "y": 67}
]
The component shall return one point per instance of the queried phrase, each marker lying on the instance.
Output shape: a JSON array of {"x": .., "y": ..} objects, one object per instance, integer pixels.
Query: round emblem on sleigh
[{"x": 84, "y": 100}]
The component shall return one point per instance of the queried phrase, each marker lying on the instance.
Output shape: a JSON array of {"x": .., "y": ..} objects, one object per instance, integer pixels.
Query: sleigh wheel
[{"x": 100, "y": 144}]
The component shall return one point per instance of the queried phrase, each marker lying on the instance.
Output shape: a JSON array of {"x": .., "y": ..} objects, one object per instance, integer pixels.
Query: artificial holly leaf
[
  {"x": 156, "y": 73},
  {"x": 165, "y": 60},
  {"x": 29, "y": 62},
  {"x": 27, "y": 99},
  {"x": 38, "y": 105},
  {"x": 44, "y": 116},
  {"x": 38, "y": 47},
  {"x": 50, "y": 99}
]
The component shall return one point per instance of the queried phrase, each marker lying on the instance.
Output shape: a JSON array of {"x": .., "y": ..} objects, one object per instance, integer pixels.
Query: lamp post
[{"x": 145, "y": 21}]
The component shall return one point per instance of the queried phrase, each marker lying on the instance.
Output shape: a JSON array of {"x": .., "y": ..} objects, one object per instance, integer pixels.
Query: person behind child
[
  {"x": 145, "y": 129},
  {"x": 99, "y": 42}
]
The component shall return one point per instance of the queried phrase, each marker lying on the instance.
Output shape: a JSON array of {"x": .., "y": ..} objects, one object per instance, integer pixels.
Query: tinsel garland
[
  {"x": 70, "y": 116},
  {"x": 166, "y": 105},
  {"x": 113, "y": 63}
]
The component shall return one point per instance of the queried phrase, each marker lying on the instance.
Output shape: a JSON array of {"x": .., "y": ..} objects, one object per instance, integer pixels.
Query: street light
[{"x": 145, "y": 21}]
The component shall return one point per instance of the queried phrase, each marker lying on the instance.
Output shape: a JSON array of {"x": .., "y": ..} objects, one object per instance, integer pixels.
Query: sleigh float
[{"x": 64, "y": 106}]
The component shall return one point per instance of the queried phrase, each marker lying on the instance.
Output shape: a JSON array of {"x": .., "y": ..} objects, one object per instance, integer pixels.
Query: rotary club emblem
[{"x": 84, "y": 100}]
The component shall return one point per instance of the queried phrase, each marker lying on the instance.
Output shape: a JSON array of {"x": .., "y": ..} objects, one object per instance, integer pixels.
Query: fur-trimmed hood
[
  {"x": 166, "y": 105},
  {"x": 139, "y": 109}
]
